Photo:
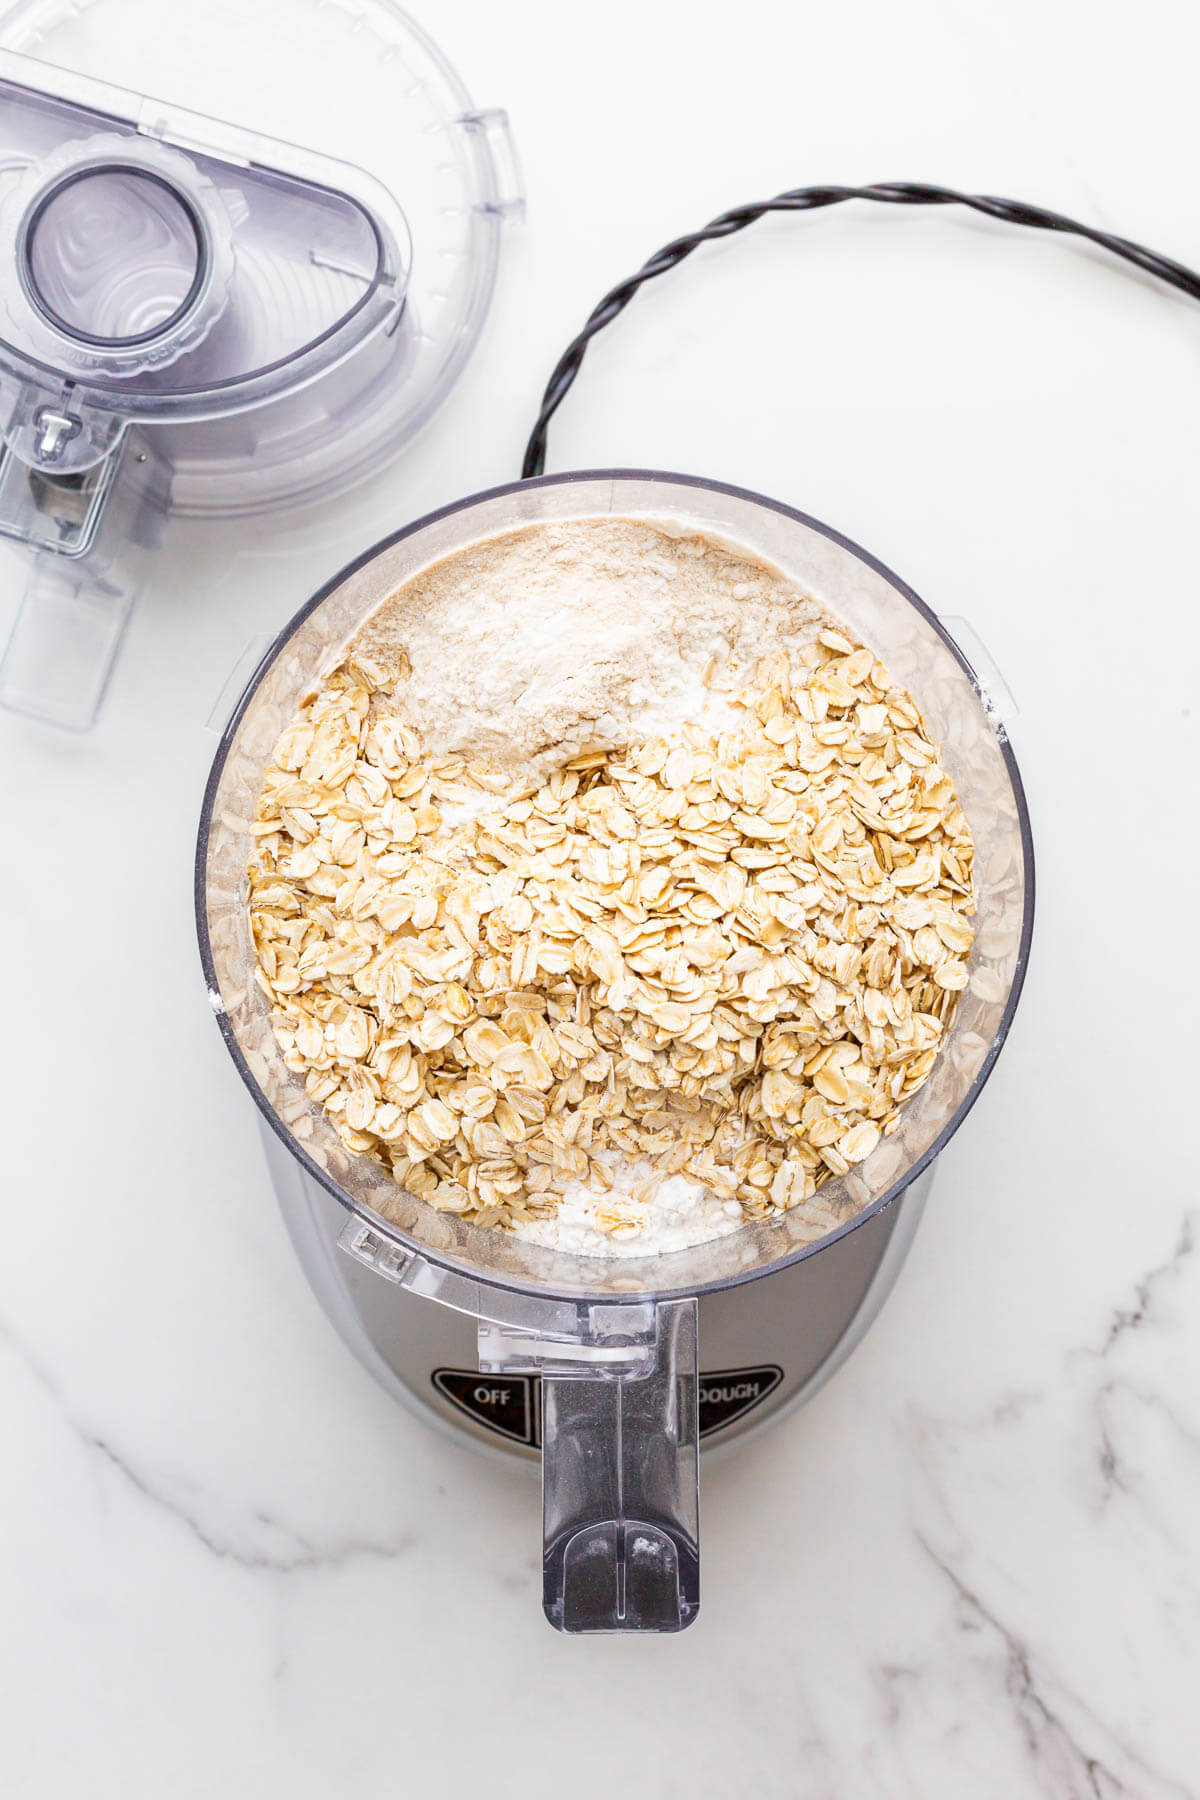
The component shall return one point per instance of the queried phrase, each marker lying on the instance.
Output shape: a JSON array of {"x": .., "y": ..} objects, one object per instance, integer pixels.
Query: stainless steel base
[{"x": 765, "y": 1347}]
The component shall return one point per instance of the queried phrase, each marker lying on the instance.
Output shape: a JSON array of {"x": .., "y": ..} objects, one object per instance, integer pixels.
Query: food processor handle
[
  {"x": 620, "y": 1501},
  {"x": 620, "y": 1435},
  {"x": 91, "y": 527}
]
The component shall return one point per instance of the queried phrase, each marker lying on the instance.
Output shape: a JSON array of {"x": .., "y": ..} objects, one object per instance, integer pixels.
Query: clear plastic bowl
[{"x": 889, "y": 617}]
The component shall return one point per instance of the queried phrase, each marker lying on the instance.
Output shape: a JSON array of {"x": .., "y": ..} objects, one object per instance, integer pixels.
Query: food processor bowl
[{"x": 614, "y": 1340}]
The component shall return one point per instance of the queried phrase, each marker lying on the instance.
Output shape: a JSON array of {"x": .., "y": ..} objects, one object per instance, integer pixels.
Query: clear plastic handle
[
  {"x": 620, "y": 1499},
  {"x": 92, "y": 533},
  {"x": 620, "y": 1437}
]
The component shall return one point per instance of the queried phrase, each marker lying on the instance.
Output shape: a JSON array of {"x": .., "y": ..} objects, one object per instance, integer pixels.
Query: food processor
[
  {"x": 616, "y": 1370},
  {"x": 224, "y": 303}
]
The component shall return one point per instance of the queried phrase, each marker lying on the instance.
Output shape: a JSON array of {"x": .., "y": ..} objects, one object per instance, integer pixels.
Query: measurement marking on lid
[{"x": 511, "y": 1405}]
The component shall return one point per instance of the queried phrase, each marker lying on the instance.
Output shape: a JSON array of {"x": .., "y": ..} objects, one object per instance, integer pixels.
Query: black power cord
[{"x": 809, "y": 199}]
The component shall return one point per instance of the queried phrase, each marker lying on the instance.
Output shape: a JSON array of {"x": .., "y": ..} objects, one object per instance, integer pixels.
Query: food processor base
[{"x": 764, "y": 1349}]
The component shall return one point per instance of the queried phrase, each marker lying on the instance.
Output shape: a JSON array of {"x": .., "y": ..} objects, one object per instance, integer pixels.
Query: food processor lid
[
  {"x": 235, "y": 284},
  {"x": 167, "y": 266},
  {"x": 265, "y": 191}
]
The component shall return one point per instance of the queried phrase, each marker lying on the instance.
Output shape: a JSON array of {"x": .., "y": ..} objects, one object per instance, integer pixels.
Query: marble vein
[
  {"x": 1145, "y": 1309},
  {"x": 1118, "y": 1407},
  {"x": 297, "y": 1554},
  {"x": 1068, "y": 1770}
]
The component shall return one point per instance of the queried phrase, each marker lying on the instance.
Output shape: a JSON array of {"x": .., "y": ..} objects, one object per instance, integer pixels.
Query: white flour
[
  {"x": 526, "y": 647},
  {"x": 679, "y": 1213}
]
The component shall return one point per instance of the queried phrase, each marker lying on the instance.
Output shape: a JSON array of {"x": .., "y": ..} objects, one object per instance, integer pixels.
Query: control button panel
[{"x": 511, "y": 1405}]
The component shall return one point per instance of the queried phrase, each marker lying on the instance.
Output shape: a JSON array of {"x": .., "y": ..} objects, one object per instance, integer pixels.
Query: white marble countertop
[{"x": 229, "y": 1565}]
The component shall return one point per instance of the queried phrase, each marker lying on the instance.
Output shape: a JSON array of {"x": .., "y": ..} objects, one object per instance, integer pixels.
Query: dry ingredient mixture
[{"x": 608, "y": 890}]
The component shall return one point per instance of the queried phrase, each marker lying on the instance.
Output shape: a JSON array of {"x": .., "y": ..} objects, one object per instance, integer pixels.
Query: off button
[{"x": 502, "y": 1404}]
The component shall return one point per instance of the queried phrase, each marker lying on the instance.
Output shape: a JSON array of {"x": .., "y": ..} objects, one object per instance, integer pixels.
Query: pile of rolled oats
[{"x": 731, "y": 957}]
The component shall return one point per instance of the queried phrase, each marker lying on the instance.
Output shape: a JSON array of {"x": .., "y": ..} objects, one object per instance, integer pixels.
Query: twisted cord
[{"x": 809, "y": 199}]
